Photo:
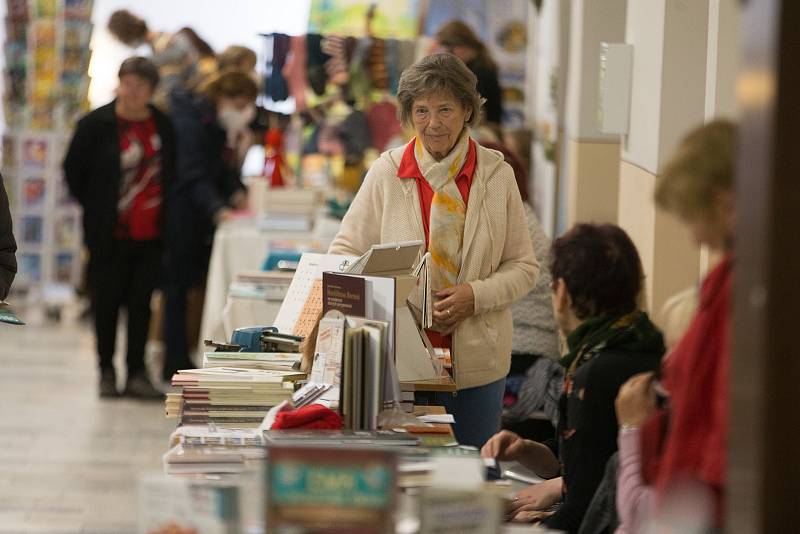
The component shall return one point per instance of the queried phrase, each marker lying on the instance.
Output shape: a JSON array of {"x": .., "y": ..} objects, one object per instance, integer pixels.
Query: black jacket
[
  {"x": 205, "y": 177},
  {"x": 93, "y": 173},
  {"x": 8, "y": 246},
  {"x": 588, "y": 412}
]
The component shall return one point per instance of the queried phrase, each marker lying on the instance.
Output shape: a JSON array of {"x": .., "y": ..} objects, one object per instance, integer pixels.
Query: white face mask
[{"x": 234, "y": 120}]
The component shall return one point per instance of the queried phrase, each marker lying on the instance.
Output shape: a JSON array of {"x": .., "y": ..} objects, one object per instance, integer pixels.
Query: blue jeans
[{"x": 476, "y": 410}]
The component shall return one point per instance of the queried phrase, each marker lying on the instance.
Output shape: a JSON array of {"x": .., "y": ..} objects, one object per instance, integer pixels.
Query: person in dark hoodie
[
  {"x": 209, "y": 124},
  {"x": 8, "y": 245},
  {"x": 597, "y": 278},
  {"x": 119, "y": 164}
]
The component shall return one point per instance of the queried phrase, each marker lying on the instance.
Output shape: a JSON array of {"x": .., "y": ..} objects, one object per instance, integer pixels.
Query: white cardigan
[{"x": 498, "y": 259}]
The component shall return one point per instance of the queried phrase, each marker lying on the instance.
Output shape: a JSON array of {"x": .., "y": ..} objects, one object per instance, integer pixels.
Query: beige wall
[
  {"x": 670, "y": 257},
  {"x": 670, "y": 40},
  {"x": 592, "y": 182}
]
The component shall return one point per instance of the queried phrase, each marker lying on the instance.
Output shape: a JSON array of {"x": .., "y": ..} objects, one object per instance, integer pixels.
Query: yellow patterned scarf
[{"x": 448, "y": 211}]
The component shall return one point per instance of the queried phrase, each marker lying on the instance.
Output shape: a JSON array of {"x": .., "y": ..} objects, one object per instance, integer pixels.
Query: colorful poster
[
  {"x": 66, "y": 230},
  {"x": 32, "y": 229},
  {"x": 397, "y": 19},
  {"x": 30, "y": 267},
  {"x": 45, "y": 9},
  {"x": 17, "y": 9},
  {"x": 78, "y": 9},
  {"x": 33, "y": 192},
  {"x": 65, "y": 267},
  {"x": 34, "y": 153},
  {"x": 9, "y": 155}
]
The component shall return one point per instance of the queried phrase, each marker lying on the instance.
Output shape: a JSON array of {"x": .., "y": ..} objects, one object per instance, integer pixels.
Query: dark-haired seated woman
[{"x": 597, "y": 277}]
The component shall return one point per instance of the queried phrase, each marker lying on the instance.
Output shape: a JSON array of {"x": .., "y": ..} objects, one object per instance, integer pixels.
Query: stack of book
[
  {"x": 228, "y": 397},
  {"x": 206, "y": 459},
  {"x": 288, "y": 210},
  {"x": 275, "y": 361},
  {"x": 261, "y": 285}
]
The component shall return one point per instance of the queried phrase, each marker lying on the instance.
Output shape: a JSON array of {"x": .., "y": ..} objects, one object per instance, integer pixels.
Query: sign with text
[{"x": 329, "y": 489}]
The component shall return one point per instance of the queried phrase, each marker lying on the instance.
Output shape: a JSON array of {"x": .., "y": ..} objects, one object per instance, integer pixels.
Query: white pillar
[
  {"x": 549, "y": 78},
  {"x": 670, "y": 42},
  {"x": 592, "y": 168}
]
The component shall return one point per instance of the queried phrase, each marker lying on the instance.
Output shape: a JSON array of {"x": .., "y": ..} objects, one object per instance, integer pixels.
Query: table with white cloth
[{"x": 239, "y": 245}]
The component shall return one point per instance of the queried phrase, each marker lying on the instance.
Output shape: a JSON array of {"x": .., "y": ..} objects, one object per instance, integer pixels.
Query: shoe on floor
[
  {"x": 139, "y": 386},
  {"x": 108, "y": 384}
]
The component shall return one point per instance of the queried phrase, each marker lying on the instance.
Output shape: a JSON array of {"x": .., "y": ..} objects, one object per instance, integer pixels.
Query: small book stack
[
  {"x": 261, "y": 285},
  {"x": 206, "y": 459},
  {"x": 273, "y": 361},
  {"x": 228, "y": 397},
  {"x": 288, "y": 210}
]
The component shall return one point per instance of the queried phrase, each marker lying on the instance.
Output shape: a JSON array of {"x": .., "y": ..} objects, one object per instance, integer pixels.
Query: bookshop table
[{"x": 240, "y": 246}]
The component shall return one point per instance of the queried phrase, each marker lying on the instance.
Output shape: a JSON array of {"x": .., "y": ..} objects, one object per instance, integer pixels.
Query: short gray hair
[{"x": 439, "y": 73}]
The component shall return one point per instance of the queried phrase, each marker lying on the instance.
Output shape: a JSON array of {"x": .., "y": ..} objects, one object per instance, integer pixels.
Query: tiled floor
[{"x": 68, "y": 461}]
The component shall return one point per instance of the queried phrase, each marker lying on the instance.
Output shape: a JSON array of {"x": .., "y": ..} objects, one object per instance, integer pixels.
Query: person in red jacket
[{"x": 678, "y": 454}]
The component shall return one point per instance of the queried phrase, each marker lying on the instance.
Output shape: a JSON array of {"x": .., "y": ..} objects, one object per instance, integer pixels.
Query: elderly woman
[{"x": 463, "y": 200}]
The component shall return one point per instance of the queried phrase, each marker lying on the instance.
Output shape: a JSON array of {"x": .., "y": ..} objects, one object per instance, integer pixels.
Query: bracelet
[{"x": 626, "y": 428}]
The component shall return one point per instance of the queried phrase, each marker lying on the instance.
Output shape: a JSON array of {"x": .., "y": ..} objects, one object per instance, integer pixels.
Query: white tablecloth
[{"x": 240, "y": 246}]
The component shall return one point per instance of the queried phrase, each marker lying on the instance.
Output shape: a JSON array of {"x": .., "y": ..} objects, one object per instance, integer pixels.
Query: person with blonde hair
[
  {"x": 665, "y": 452},
  {"x": 207, "y": 189},
  {"x": 237, "y": 57},
  {"x": 462, "y": 200}
]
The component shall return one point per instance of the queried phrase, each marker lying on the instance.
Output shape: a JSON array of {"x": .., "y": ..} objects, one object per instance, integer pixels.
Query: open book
[{"x": 388, "y": 259}]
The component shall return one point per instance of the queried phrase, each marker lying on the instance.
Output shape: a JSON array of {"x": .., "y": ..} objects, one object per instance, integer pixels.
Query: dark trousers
[
  {"x": 187, "y": 267},
  {"x": 126, "y": 276}
]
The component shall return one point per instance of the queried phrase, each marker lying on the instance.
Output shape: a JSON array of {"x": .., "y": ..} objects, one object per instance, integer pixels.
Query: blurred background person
[
  {"x": 597, "y": 278},
  {"x": 459, "y": 39},
  {"x": 237, "y": 57},
  {"x": 207, "y": 189},
  {"x": 183, "y": 58},
  {"x": 680, "y": 450},
  {"x": 119, "y": 165}
]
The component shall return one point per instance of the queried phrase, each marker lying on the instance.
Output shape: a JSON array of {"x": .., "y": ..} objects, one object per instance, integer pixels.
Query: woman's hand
[
  {"x": 537, "y": 498},
  {"x": 505, "y": 446},
  {"x": 454, "y": 305},
  {"x": 636, "y": 400}
]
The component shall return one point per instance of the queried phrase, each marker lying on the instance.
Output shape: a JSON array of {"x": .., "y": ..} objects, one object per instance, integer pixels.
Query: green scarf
[{"x": 633, "y": 332}]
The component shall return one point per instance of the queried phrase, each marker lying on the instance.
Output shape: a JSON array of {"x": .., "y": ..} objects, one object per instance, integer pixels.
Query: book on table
[
  {"x": 227, "y": 396},
  {"x": 276, "y": 361},
  {"x": 352, "y": 355},
  {"x": 391, "y": 283}
]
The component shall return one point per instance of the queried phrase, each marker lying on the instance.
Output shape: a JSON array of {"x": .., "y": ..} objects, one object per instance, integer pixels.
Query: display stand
[{"x": 47, "y": 58}]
